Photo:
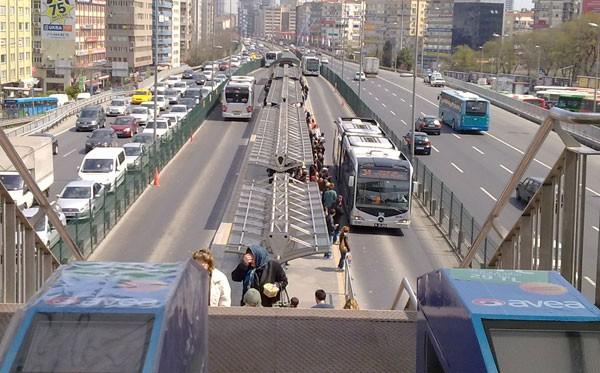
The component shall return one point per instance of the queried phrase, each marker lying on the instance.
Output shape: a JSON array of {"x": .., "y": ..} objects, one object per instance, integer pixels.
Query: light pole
[
  {"x": 362, "y": 31},
  {"x": 481, "y": 60},
  {"x": 414, "y": 93},
  {"x": 537, "y": 74},
  {"x": 437, "y": 45},
  {"x": 155, "y": 93},
  {"x": 597, "y": 64},
  {"x": 343, "y": 42}
]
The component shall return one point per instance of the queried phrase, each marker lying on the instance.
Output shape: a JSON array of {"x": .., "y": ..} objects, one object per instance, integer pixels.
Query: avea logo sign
[{"x": 522, "y": 303}]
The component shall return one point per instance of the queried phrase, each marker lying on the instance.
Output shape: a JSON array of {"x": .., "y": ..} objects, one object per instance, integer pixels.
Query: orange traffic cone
[{"x": 156, "y": 180}]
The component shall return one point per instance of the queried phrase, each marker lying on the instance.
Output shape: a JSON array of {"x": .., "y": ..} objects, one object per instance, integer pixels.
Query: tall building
[
  {"x": 375, "y": 27},
  {"x": 508, "y": 5},
  {"x": 551, "y": 13},
  {"x": 438, "y": 31},
  {"x": 168, "y": 33},
  {"x": 518, "y": 21},
  {"x": 129, "y": 33},
  {"x": 15, "y": 42},
  {"x": 185, "y": 28},
  {"x": 475, "y": 22},
  {"x": 70, "y": 47},
  {"x": 247, "y": 17},
  {"x": 207, "y": 22}
]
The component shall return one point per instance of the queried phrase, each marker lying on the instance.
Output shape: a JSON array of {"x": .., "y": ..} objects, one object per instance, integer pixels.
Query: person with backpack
[{"x": 344, "y": 246}]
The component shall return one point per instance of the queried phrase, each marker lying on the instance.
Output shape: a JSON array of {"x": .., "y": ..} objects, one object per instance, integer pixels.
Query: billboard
[
  {"x": 58, "y": 19},
  {"x": 591, "y": 6}
]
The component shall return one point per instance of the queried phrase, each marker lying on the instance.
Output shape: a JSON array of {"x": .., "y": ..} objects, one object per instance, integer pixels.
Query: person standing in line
[
  {"x": 329, "y": 221},
  {"x": 339, "y": 215},
  {"x": 252, "y": 298},
  {"x": 219, "y": 293},
  {"x": 320, "y": 299},
  {"x": 344, "y": 246},
  {"x": 258, "y": 271},
  {"x": 329, "y": 196}
]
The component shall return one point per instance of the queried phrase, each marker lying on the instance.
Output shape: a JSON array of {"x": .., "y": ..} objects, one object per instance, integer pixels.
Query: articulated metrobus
[
  {"x": 464, "y": 111},
  {"x": 271, "y": 57},
  {"x": 237, "y": 100},
  {"x": 374, "y": 177},
  {"x": 310, "y": 65}
]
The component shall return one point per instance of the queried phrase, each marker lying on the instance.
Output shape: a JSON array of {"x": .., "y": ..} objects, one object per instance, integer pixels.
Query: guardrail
[
  {"x": 589, "y": 136},
  {"x": 56, "y": 116},
  {"x": 89, "y": 232}
]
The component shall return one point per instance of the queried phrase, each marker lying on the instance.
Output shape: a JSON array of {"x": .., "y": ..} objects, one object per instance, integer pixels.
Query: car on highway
[
  {"x": 160, "y": 88},
  {"x": 141, "y": 113},
  {"x": 221, "y": 77},
  {"x": 81, "y": 199},
  {"x": 208, "y": 75},
  {"x": 189, "y": 102},
  {"x": 104, "y": 165},
  {"x": 143, "y": 138},
  {"x": 151, "y": 108},
  {"x": 527, "y": 187},
  {"x": 140, "y": 96},
  {"x": 223, "y": 66},
  {"x": 52, "y": 138},
  {"x": 360, "y": 76},
  {"x": 172, "y": 79},
  {"x": 173, "y": 119},
  {"x": 101, "y": 138},
  {"x": 172, "y": 95},
  {"x": 235, "y": 64},
  {"x": 324, "y": 60},
  {"x": 187, "y": 74},
  {"x": 118, "y": 106},
  {"x": 162, "y": 103},
  {"x": 195, "y": 92},
  {"x": 429, "y": 124},
  {"x": 90, "y": 118},
  {"x": 422, "y": 142},
  {"x": 200, "y": 79},
  {"x": 135, "y": 155},
  {"x": 180, "y": 86},
  {"x": 179, "y": 111},
  {"x": 43, "y": 228},
  {"x": 163, "y": 127},
  {"x": 125, "y": 126}
]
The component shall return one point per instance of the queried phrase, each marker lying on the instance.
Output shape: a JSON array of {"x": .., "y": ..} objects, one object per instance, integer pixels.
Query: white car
[
  {"x": 160, "y": 88},
  {"x": 180, "y": 86},
  {"x": 324, "y": 60},
  {"x": 180, "y": 111},
  {"x": 163, "y": 127},
  {"x": 118, "y": 106},
  {"x": 172, "y": 79},
  {"x": 134, "y": 152},
  {"x": 44, "y": 229},
  {"x": 173, "y": 118},
  {"x": 235, "y": 64},
  {"x": 150, "y": 106},
  {"x": 360, "y": 76},
  {"x": 208, "y": 74},
  {"x": 141, "y": 113},
  {"x": 206, "y": 90},
  {"x": 80, "y": 197},
  {"x": 162, "y": 102}
]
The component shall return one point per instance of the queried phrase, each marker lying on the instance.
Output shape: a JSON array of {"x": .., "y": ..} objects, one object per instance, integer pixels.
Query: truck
[
  {"x": 371, "y": 66},
  {"x": 36, "y": 153}
]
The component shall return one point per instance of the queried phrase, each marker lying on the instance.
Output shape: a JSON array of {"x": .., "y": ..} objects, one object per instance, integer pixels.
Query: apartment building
[
  {"x": 185, "y": 28},
  {"x": 438, "y": 31},
  {"x": 169, "y": 33},
  {"x": 15, "y": 42},
  {"x": 551, "y": 13}
]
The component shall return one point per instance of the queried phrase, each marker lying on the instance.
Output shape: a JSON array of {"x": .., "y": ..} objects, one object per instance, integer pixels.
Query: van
[
  {"x": 61, "y": 98},
  {"x": 83, "y": 96},
  {"x": 104, "y": 165},
  {"x": 90, "y": 118}
]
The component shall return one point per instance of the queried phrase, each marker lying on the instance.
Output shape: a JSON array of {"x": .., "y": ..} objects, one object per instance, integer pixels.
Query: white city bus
[
  {"x": 310, "y": 65},
  {"x": 271, "y": 57},
  {"x": 237, "y": 100},
  {"x": 374, "y": 177}
]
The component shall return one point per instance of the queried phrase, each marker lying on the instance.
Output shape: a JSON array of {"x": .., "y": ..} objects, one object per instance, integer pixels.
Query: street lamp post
[
  {"x": 537, "y": 73},
  {"x": 481, "y": 60},
  {"x": 362, "y": 31},
  {"x": 597, "y": 64},
  {"x": 437, "y": 46},
  {"x": 343, "y": 44},
  {"x": 155, "y": 93}
]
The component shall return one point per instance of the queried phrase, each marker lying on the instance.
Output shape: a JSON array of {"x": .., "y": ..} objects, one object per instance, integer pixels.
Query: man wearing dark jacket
[{"x": 256, "y": 269}]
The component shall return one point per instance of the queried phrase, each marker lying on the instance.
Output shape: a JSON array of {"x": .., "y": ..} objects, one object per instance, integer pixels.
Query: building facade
[
  {"x": 169, "y": 33},
  {"x": 551, "y": 13},
  {"x": 15, "y": 42},
  {"x": 438, "y": 31},
  {"x": 185, "y": 28},
  {"x": 518, "y": 21},
  {"x": 474, "y": 23}
]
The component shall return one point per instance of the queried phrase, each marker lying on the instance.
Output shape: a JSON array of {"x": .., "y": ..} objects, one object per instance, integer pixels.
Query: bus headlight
[{"x": 357, "y": 218}]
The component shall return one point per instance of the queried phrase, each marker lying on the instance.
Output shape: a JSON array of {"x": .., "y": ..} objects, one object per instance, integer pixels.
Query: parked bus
[
  {"x": 572, "y": 100},
  {"x": 374, "y": 177},
  {"x": 533, "y": 100},
  {"x": 28, "y": 106},
  {"x": 310, "y": 65},
  {"x": 464, "y": 111},
  {"x": 271, "y": 57},
  {"x": 237, "y": 100},
  {"x": 550, "y": 96}
]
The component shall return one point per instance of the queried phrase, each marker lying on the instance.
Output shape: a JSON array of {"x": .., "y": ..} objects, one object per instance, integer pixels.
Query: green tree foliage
[
  {"x": 72, "y": 91},
  {"x": 463, "y": 59},
  {"x": 405, "y": 59}
]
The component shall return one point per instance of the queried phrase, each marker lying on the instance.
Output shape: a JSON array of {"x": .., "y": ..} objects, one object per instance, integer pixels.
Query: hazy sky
[{"x": 519, "y": 4}]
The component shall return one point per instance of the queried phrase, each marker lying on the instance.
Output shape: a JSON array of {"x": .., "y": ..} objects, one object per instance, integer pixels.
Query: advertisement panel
[
  {"x": 591, "y": 6},
  {"x": 58, "y": 19}
]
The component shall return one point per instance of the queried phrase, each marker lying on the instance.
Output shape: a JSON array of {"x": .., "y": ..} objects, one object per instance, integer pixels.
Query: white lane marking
[
  {"x": 403, "y": 100},
  {"x": 394, "y": 114},
  {"x": 488, "y": 194},
  {"x": 434, "y": 148},
  {"x": 457, "y": 168},
  {"x": 409, "y": 105},
  {"x": 370, "y": 94},
  {"x": 385, "y": 89},
  {"x": 409, "y": 91},
  {"x": 376, "y": 99},
  {"x": 378, "y": 85},
  {"x": 590, "y": 281},
  {"x": 506, "y": 169},
  {"x": 455, "y": 135},
  {"x": 516, "y": 149},
  {"x": 403, "y": 122},
  {"x": 395, "y": 95},
  {"x": 222, "y": 235},
  {"x": 384, "y": 105},
  {"x": 593, "y": 192},
  {"x": 477, "y": 150},
  {"x": 595, "y": 228},
  {"x": 69, "y": 153}
]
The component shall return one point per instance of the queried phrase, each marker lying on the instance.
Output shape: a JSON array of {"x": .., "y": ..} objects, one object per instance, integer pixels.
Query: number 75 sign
[{"x": 58, "y": 19}]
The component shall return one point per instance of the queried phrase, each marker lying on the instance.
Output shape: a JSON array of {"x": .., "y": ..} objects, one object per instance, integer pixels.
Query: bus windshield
[
  {"x": 312, "y": 64},
  {"x": 271, "y": 55},
  {"x": 386, "y": 189},
  {"x": 476, "y": 107},
  {"x": 237, "y": 95}
]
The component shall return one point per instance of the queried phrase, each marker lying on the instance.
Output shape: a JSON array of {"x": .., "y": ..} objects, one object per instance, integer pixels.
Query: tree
[
  {"x": 463, "y": 59},
  {"x": 388, "y": 51},
  {"x": 72, "y": 91},
  {"x": 405, "y": 59}
]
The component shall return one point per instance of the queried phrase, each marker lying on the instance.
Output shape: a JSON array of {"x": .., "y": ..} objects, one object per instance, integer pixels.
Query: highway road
[
  {"x": 477, "y": 166},
  {"x": 380, "y": 258}
]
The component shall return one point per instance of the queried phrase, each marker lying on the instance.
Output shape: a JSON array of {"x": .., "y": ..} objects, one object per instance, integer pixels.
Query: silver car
[{"x": 81, "y": 199}]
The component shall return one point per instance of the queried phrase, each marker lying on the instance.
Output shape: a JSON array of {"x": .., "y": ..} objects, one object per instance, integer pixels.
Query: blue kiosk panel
[
  {"x": 113, "y": 317},
  {"x": 505, "y": 321}
]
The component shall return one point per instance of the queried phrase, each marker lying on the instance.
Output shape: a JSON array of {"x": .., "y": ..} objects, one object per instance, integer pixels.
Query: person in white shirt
[{"x": 220, "y": 292}]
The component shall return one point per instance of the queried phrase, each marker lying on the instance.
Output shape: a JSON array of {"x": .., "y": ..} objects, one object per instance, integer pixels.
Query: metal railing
[
  {"x": 349, "y": 291},
  {"x": 410, "y": 304}
]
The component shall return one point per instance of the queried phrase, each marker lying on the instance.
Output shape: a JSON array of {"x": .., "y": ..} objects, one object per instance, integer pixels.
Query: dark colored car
[
  {"x": 53, "y": 138},
  {"x": 422, "y": 143},
  {"x": 189, "y": 102},
  {"x": 103, "y": 137},
  {"x": 429, "y": 124},
  {"x": 223, "y": 66},
  {"x": 144, "y": 138},
  {"x": 187, "y": 74},
  {"x": 193, "y": 93},
  {"x": 125, "y": 126},
  {"x": 199, "y": 79},
  {"x": 90, "y": 118},
  {"x": 527, "y": 187}
]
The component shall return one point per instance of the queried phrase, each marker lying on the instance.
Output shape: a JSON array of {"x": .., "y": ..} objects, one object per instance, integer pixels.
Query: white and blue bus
[
  {"x": 374, "y": 177},
  {"x": 464, "y": 111},
  {"x": 311, "y": 65}
]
